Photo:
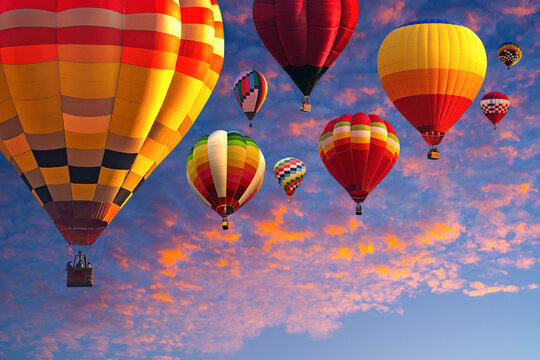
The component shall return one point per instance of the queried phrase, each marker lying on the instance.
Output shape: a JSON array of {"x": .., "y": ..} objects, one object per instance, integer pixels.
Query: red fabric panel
[
  {"x": 168, "y": 7},
  {"x": 349, "y": 17},
  {"x": 116, "y": 5},
  {"x": 263, "y": 17},
  {"x": 80, "y": 222},
  {"x": 6, "y": 5},
  {"x": 426, "y": 116},
  {"x": 291, "y": 18},
  {"x": 28, "y": 36},
  {"x": 89, "y": 35},
  {"x": 324, "y": 17}
]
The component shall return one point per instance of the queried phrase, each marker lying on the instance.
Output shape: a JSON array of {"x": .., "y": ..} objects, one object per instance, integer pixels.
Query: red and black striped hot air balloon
[
  {"x": 359, "y": 151},
  {"x": 495, "y": 105},
  {"x": 305, "y": 36}
]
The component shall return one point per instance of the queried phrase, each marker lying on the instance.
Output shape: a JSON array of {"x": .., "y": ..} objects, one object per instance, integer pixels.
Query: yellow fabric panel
[
  {"x": 28, "y": 73},
  {"x": 17, "y": 145},
  {"x": 181, "y": 95},
  {"x": 36, "y": 89},
  {"x": 105, "y": 193},
  {"x": 7, "y": 110},
  {"x": 85, "y": 141},
  {"x": 433, "y": 45},
  {"x": 89, "y": 81},
  {"x": 432, "y": 81},
  {"x": 131, "y": 119},
  {"x": 144, "y": 85},
  {"x": 131, "y": 181},
  {"x": 83, "y": 191},
  {"x": 90, "y": 53},
  {"x": 40, "y": 116},
  {"x": 57, "y": 175},
  {"x": 111, "y": 177},
  {"x": 87, "y": 124},
  {"x": 151, "y": 149},
  {"x": 141, "y": 165},
  {"x": 26, "y": 161}
]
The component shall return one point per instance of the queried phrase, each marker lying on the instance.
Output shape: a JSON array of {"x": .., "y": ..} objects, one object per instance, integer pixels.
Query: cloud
[{"x": 522, "y": 10}]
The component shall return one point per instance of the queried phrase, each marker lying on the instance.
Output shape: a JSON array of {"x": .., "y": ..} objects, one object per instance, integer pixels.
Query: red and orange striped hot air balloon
[
  {"x": 95, "y": 93},
  {"x": 432, "y": 70},
  {"x": 359, "y": 151}
]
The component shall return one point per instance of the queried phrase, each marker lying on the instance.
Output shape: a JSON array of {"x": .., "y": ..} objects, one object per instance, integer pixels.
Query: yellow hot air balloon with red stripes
[{"x": 432, "y": 70}]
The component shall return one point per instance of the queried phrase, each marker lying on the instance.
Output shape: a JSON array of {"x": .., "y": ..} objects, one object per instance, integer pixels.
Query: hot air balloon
[
  {"x": 432, "y": 70},
  {"x": 359, "y": 151},
  {"x": 250, "y": 90},
  {"x": 95, "y": 94},
  {"x": 509, "y": 53},
  {"x": 289, "y": 173},
  {"x": 306, "y": 36},
  {"x": 225, "y": 170},
  {"x": 495, "y": 105}
]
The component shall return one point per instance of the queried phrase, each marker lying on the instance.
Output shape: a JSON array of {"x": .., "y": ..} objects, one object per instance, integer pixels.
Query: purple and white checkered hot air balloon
[{"x": 250, "y": 90}]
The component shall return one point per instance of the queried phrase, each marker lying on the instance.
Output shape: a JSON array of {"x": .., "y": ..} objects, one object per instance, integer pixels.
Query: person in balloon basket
[{"x": 69, "y": 265}]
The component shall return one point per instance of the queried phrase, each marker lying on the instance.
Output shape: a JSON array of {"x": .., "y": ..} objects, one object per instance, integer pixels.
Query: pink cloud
[
  {"x": 522, "y": 10},
  {"x": 349, "y": 96},
  {"x": 391, "y": 14}
]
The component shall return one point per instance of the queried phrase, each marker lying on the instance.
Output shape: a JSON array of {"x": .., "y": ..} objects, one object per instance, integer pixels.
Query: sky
[{"x": 443, "y": 264}]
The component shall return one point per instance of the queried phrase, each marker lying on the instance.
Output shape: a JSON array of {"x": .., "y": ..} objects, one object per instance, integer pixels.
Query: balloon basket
[
  {"x": 306, "y": 105},
  {"x": 433, "y": 154},
  {"x": 358, "y": 209},
  {"x": 290, "y": 200},
  {"x": 225, "y": 224},
  {"x": 250, "y": 124},
  {"x": 80, "y": 277}
]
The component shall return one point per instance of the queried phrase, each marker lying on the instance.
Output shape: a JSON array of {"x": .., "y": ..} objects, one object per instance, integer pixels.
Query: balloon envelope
[
  {"x": 359, "y": 151},
  {"x": 250, "y": 90},
  {"x": 225, "y": 170},
  {"x": 509, "y": 53},
  {"x": 432, "y": 70},
  {"x": 289, "y": 172},
  {"x": 306, "y": 36},
  {"x": 95, "y": 94},
  {"x": 495, "y": 105}
]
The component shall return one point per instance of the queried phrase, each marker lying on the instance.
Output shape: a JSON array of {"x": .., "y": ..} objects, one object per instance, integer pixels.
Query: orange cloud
[
  {"x": 388, "y": 14},
  {"x": 349, "y": 96},
  {"x": 310, "y": 130}
]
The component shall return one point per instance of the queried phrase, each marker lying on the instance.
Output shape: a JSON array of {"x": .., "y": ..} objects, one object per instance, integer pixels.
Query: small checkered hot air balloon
[
  {"x": 509, "y": 53},
  {"x": 290, "y": 173},
  {"x": 95, "y": 94},
  {"x": 250, "y": 90},
  {"x": 359, "y": 151},
  {"x": 225, "y": 170},
  {"x": 495, "y": 105},
  {"x": 432, "y": 70}
]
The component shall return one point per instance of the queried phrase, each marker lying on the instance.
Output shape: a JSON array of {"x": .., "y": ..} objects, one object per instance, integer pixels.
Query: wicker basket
[{"x": 80, "y": 277}]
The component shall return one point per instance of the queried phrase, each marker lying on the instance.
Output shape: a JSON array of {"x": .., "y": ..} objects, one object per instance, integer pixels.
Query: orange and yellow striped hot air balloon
[
  {"x": 432, "y": 70},
  {"x": 95, "y": 93}
]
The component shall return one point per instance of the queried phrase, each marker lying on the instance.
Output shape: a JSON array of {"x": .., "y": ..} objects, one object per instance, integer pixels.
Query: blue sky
[{"x": 443, "y": 264}]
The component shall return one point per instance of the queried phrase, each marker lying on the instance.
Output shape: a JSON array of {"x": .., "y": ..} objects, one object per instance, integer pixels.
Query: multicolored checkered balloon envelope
[
  {"x": 95, "y": 94},
  {"x": 290, "y": 173},
  {"x": 495, "y": 105},
  {"x": 250, "y": 90}
]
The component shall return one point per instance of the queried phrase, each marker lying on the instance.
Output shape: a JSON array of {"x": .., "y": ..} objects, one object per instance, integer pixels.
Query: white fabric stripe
[
  {"x": 103, "y": 18},
  {"x": 27, "y": 18},
  {"x": 91, "y": 17},
  {"x": 257, "y": 179},
  {"x": 197, "y": 191},
  {"x": 251, "y": 101},
  {"x": 217, "y": 157},
  {"x": 154, "y": 22}
]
